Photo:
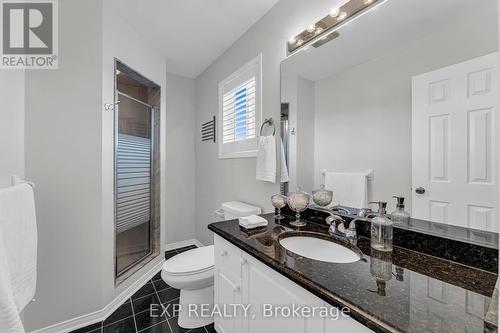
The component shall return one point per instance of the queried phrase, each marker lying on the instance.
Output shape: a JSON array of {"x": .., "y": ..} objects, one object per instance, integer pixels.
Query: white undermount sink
[{"x": 319, "y": 249}]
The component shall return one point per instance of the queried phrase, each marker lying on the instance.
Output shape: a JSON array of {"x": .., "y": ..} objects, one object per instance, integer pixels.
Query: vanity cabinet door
[
  {"x": 227, "y": 291},
  {"x": 262, "y": 286},
  {"x": 227, "y": 283}
]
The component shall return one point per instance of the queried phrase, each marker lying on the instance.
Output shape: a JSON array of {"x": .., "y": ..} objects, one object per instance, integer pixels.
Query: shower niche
[{"x": 136, "y": 171}]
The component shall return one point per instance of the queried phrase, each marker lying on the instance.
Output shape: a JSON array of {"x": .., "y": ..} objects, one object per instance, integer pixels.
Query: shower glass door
[{"x": 133, "y": 179}]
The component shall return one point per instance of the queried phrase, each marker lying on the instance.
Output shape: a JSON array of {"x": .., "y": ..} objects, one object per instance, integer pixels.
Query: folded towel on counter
[
  {"x": 252, "y": 221},
  {"x": 18, "y": 250},
  {"x": 266, "y": 159},
  {"x": 284, "y": 168}
]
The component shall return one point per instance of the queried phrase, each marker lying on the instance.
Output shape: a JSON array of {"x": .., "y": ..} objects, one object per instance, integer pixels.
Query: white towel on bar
[
  {"x": 284, "y": 168},
  {"x": 266, "y": 159},
  {"x": 252, "y": 221},
  {"x": 18, "y": 252},
  {"x": 349, "y": 189}
]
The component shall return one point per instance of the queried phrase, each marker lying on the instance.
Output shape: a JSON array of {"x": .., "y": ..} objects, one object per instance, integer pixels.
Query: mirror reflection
[{"x": 406, "y": 116}]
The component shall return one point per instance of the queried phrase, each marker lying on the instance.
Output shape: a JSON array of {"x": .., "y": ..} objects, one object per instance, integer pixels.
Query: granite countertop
[{"x": 403, "y": 291}]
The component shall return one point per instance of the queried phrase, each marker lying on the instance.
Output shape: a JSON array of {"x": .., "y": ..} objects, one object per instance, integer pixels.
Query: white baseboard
[
  {"x": 183, "y": 243},
  {"x": 97, "y": 316}
]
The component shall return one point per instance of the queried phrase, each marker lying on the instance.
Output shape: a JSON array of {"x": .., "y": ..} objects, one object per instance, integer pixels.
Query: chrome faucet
[
  {"x": 337, "y": 229},
  {"x": 337, "y": 226}
]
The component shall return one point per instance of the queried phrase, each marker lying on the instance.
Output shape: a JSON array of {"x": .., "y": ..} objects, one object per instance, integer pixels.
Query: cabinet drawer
[{"x": 227, "y": 258}]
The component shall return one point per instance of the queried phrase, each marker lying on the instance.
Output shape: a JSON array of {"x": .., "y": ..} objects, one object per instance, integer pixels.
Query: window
[{"x": 240, "y": 111}]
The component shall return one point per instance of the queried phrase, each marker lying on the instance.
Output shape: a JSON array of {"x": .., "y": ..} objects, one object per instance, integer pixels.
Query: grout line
[
  {"x": 159, "y": 300},
  {"x": 126, "y": 317},
  {"x": 118, "y": 320},
  {"x": 133, "y": 313}
]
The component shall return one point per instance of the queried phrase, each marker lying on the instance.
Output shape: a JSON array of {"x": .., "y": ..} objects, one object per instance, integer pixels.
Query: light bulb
[
  {"x": 311, "y": 28},
  {"x": 367, "y": 2},
  {"x": 291, "y": 40},
  {"x": 334, "y": 12},
  {"x": 318, "y": 30},
  {"x": 342, "y": 16},
  {"x": 300, "y": 42}
]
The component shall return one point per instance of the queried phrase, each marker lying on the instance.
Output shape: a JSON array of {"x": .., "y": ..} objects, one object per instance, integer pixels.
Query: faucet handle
[
  {"x": 334, "y": 218},
  {"x": 363, "y": 212}
]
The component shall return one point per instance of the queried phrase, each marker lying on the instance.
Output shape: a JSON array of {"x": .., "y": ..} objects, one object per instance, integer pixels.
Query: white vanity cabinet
[{"x": 242, "y": 279}]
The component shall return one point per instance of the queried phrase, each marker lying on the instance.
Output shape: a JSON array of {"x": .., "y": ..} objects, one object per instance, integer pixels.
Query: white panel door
[{"x": 455, "y": 143}]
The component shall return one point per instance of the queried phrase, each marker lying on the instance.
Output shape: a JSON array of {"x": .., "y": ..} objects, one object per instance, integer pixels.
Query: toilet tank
[{"x": 234, "y": 209}]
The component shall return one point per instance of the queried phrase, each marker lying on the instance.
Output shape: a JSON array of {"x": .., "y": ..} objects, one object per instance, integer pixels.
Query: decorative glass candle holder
[
  {"x": 279, "y": 201},
  {"x": 322, "y": 197},
  {"x": 298, "y": 201}
]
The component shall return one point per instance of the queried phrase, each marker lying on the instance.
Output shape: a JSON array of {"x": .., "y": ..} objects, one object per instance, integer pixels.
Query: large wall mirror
[{"x": 407, "y": 97}]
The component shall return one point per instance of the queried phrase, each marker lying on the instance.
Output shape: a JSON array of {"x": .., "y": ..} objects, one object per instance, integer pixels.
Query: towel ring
[{"x": 270, "y": 122}]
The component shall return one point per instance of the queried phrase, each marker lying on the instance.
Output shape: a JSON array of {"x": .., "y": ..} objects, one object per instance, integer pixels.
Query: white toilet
[{"x": 193, "y": 272}]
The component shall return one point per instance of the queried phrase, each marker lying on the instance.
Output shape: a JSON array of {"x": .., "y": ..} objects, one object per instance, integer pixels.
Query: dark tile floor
[{"x": 134, "y": 315}]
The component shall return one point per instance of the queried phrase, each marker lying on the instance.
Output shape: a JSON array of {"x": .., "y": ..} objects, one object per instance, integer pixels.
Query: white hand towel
[
  {"x": 18, "y": 251},
  {"x": 349, "y": 189},
  {"x": 252, "y": 221},
  {"x": 266, "y": 159},
  {"x": 284, "y": 168}
]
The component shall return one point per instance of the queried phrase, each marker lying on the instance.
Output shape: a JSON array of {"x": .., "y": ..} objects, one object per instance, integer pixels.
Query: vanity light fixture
[
  {"x": 342, "y": 16},
  {"x": 334, "y": 12},
  {"x": 336, "y": 18}
]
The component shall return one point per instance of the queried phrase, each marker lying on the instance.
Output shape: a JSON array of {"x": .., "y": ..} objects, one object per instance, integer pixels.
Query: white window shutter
[{"x": 240, "y": 111}]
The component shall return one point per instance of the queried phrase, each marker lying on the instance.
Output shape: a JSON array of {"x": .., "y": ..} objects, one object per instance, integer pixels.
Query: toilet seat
[{"x": 195, "y": 261}]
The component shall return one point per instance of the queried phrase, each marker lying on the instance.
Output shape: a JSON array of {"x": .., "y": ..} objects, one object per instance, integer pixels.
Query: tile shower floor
[{"x": 134, "y": 315}]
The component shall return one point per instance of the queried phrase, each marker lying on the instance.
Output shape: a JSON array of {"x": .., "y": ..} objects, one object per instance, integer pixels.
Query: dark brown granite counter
[{"x": 405, "y": 291}]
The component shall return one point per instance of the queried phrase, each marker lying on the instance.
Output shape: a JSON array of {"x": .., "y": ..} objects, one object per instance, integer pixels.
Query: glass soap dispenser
[
  {"x": 381, "y": 230},
  {"x": 400, "y": 216}
]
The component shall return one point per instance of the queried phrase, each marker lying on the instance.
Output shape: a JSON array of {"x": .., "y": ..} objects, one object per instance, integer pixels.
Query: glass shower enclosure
[{"x": 135, "y": 176}]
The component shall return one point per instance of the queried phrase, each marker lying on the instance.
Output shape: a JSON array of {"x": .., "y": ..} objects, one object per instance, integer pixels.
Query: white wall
[
  {"x": 11, "y": 125},
  {"x": 234, "y": 179},
  {"x": 180, "y": 172},
  {"x": 63, "y": 158},
  {"x": 69, "y": 155},
  {"x": 364, "y": 113}
]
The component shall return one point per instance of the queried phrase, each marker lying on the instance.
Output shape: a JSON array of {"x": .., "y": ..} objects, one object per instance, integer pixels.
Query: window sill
[{"x": 242, "y": 154}]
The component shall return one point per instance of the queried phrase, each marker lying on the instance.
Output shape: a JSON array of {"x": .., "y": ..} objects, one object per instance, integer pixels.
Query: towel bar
[
  {"x": 270, "y": 122},
  {"x": 369, "y": 173}
]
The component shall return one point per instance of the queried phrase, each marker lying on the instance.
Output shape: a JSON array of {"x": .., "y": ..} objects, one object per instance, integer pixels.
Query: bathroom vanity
[
  {"x": 242, "y": 279},
  {"x": 400, "y": 107},
  {"x": 402, "y": 291}
]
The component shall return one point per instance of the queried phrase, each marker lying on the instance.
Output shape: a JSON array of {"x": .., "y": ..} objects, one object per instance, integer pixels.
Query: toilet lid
[{"x": 191, "y": 262}]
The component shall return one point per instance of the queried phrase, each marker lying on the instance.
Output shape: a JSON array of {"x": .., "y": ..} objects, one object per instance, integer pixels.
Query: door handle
[{"x": 420, "y": 190}]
